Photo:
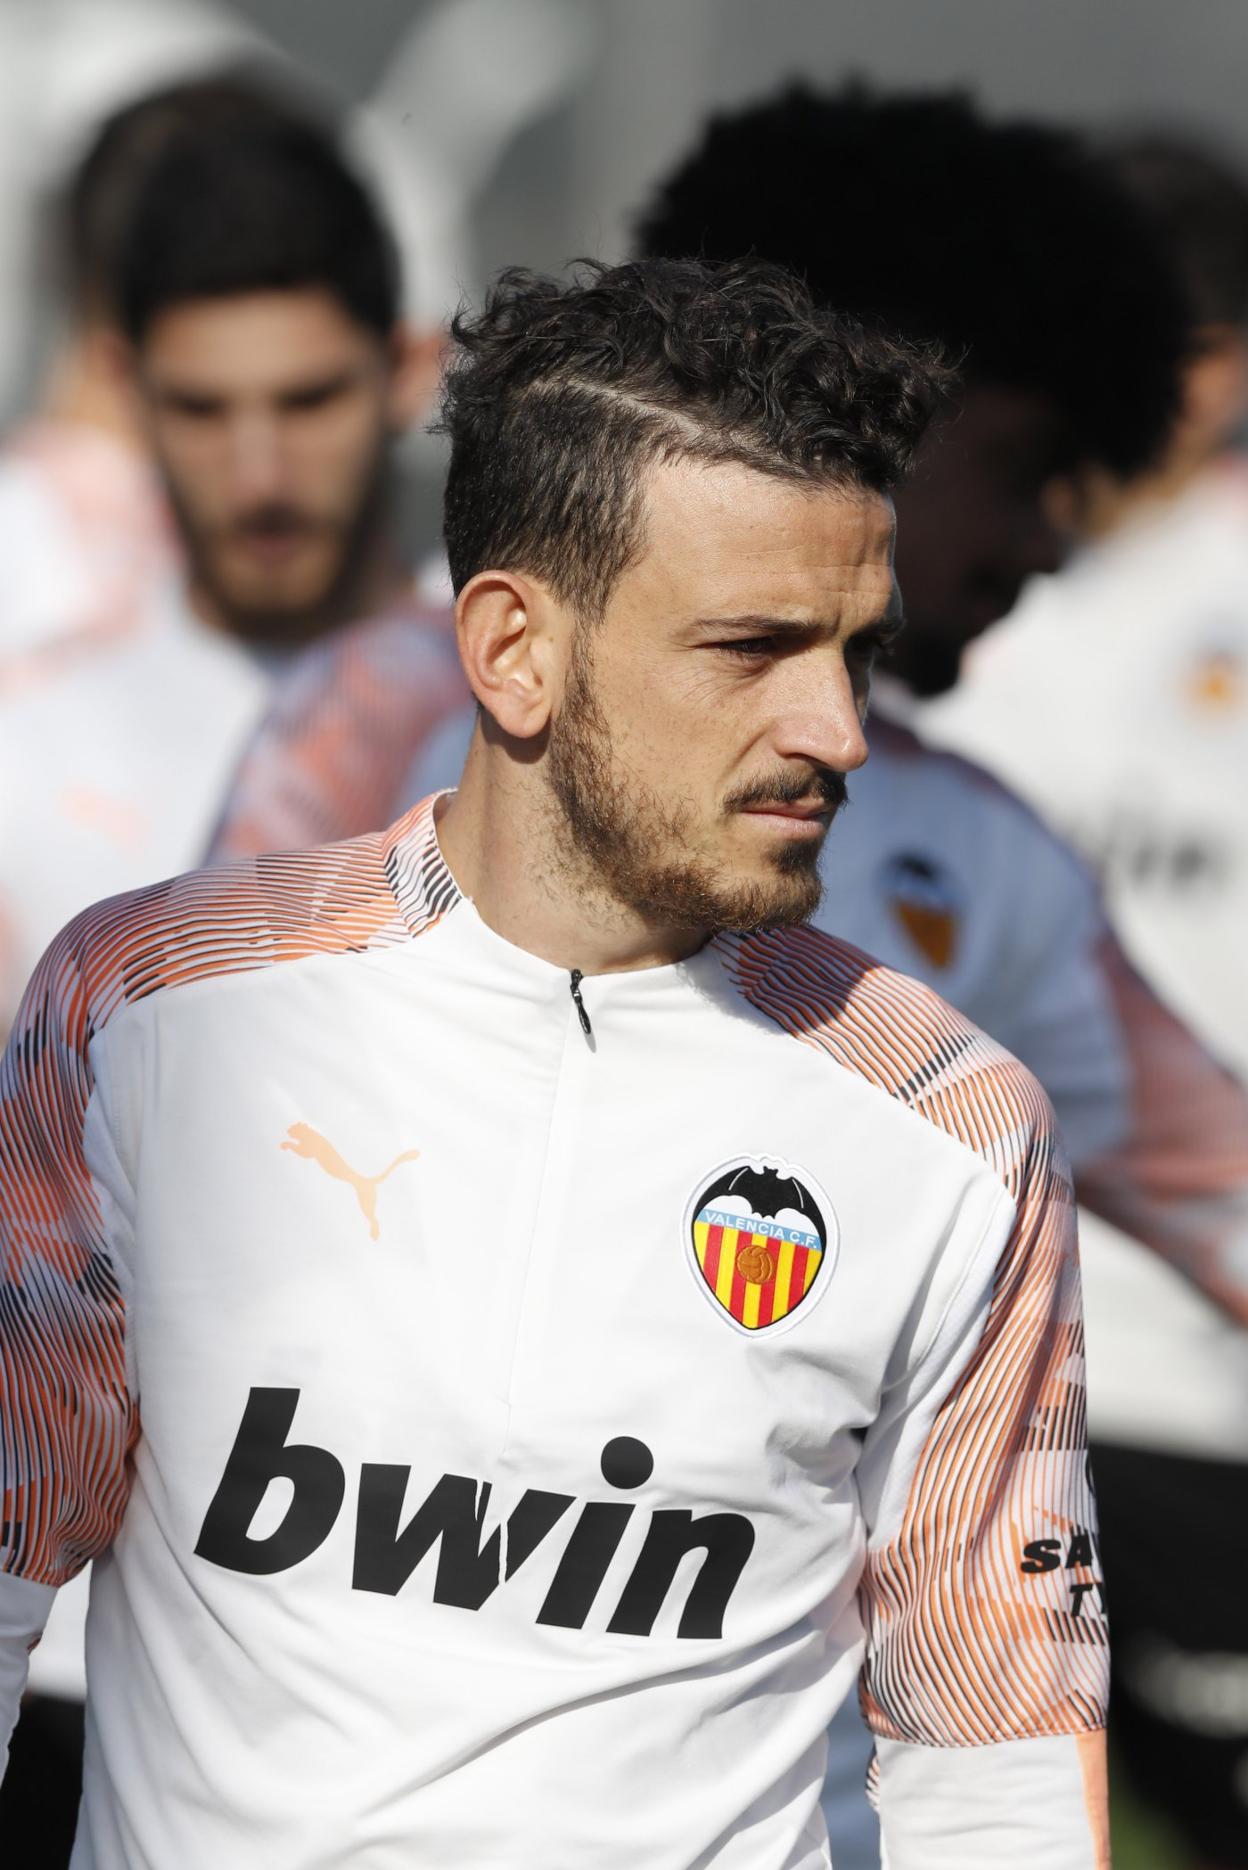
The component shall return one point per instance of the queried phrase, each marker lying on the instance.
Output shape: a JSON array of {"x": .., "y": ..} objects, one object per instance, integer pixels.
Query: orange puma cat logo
[{"x": 303, "y": 1140}]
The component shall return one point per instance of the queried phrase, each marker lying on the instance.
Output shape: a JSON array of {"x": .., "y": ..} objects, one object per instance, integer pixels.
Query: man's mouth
[
  {"x": 809, "y": 799},
  {"x": 803, "y": 817},
  {"x": 273, "y": 542},
  {"x": 272, "y": 548},
  {"x": 796, "y": 808},
  {"x": 272, "y": 522}
]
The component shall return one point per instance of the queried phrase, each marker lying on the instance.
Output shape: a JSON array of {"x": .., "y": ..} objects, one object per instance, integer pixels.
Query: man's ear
[
  {"x": 509, "y": 630},
  {"x": 114, "y": 364},
  {"x": 417, "y": 358}
]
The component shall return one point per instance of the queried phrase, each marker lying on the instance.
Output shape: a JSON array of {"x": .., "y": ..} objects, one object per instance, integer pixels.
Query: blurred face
[
  {"x": 270, "y": 414},
  {"x": 709, "y": 717},
  {"x": 974, "y": 526}
]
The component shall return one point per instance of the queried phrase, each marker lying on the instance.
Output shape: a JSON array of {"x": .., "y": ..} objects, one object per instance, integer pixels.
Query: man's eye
[
  {"x": 193, "y": 408},
  {"x": 300, "y": 401},
  {"x": 749, "y": 648}
]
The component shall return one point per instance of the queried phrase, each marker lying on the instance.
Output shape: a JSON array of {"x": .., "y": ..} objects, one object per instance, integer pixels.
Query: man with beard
[
  {"x": 1015, "y": 249},
  {"x": 270, "y": 375},
  {"x": 619, "y": 1279},
  {"x": 1024, "y": 255},
  {"x": 938, "y": 869}
]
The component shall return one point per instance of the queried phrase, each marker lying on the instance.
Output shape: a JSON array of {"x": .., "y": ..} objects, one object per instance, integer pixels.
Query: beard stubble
[{"x": 641, "y": 850}]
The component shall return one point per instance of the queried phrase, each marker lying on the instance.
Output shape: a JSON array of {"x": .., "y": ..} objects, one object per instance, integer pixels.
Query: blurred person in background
[
  {"x": 1014, "y": 249},
  {"x": 66, "y": 66},
  {"x": 270, "y": 375},
  {"x": 1024, "y": 256},
  {"x": 1116, "y": 700},
  {"x": 252, "y": 341},
  {"x": 81, "y": 522},
  {"x": 84, "y": 532}
]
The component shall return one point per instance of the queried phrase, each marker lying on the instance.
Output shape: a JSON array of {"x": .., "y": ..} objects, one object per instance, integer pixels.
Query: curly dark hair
[
  {"x": 1009, "y": 244},
  {"x": 563, "y": 392}
]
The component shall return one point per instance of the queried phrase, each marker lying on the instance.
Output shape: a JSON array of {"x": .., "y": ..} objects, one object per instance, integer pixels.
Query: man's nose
[
  {"x": 823, "y": 723},
  {"x": 257, "y": 460}
]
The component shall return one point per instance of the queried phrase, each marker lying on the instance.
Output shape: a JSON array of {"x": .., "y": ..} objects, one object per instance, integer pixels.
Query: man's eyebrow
[
  {"x": 325, "y": 383},
  {"x": 322, "y": 385},
  {"x": 753, "y": 624}
]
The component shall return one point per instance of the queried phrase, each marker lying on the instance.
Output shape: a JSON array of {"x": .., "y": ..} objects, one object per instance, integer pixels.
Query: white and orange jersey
[
  {"x": 505, "y": 1426},
  {"x": 112, "y": 774},
  {"x": 342, "y": 732},
  {"x": 939, "y": 871},
  {"x": 117, "y": 752},
  {"x": 1116, "y": 700},
  {"x": 84, "y": 540}
]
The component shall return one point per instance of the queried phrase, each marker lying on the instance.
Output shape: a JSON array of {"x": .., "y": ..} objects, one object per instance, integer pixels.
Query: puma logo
[{"x": 304, "y": 1141}]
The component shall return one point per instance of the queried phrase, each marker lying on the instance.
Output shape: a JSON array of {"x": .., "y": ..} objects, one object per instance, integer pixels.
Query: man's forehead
[
  {"x": 255, "y": 339},
  {"x": 723, "y": 503},
  {"x": 721, "y": 536}
]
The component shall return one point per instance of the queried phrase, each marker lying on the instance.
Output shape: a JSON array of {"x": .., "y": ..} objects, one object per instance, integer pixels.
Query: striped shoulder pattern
[
  {"x": 374, "y": 891},
  {"x": 967, "y": 1643},
  {"x": 67, "y": 1421},
  {"x": 897, "y": 1034}
]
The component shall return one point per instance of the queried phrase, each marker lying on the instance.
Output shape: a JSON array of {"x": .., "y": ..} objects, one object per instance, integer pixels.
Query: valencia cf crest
[
  {"x": 927, "y": 902},
  {"x": 762, "y": 1240}
]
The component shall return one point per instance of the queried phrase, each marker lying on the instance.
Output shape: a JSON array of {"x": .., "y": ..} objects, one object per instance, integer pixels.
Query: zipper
[
  {"x": 576, "y": 978},
  {"x": 533, "y": 1296}
]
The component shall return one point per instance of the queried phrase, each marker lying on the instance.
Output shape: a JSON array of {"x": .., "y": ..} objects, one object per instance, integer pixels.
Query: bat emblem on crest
[{"x": 761, "y": 1238}]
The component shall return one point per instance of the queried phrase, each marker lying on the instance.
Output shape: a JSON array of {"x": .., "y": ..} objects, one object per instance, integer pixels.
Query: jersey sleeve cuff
[
  {"x": 1036, "y": 1802},
  {"x": 24, "y": 1610}
]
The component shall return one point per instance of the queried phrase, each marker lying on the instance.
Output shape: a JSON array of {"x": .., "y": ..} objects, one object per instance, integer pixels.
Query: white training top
[
  {"x": 941, "y": 872},
  {"x": 1116, "y": 699},
  {"x": 115, "y": 763},
  {"x": 505, "y": 1441}
]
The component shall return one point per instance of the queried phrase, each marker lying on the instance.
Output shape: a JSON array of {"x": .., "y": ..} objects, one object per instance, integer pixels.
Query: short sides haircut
[
  {"x": 1009, "y": 244},
  {"x": 561, "y": 394},
  {"x": 261, "y": 202}
]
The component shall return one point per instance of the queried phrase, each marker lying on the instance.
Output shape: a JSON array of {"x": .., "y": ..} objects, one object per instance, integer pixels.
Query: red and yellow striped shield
[{"x": 759, "y": 1238}]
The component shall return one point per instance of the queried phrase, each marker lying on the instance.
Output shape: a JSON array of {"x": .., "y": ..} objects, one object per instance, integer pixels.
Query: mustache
[
  {"x": 262, "y": 521},
  {"x": 788, "y": 788}
]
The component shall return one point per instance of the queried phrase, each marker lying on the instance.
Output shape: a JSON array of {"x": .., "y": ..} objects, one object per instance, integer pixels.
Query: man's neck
[{"x": 501, "y": 838}]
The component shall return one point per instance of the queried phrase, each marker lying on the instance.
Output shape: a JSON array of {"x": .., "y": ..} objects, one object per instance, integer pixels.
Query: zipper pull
[{"x": 581, "y": 1014}]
